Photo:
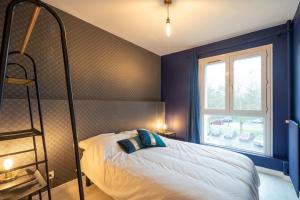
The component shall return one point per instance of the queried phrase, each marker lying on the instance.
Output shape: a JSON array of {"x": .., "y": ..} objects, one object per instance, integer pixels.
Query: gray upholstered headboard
[
  {"x": 93, "y": 117},
  {"x": 115, "y": 116}
]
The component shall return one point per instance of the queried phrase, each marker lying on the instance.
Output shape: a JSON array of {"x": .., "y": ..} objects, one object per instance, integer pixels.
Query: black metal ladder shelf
[
  {"x": 37, "y": 181},
  {"x": 27, "y": 82},
  {"x": 19, "y": 134}
]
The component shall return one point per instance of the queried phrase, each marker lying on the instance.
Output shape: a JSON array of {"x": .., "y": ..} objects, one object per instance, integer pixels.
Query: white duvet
[{"x": 180, "y": 171}]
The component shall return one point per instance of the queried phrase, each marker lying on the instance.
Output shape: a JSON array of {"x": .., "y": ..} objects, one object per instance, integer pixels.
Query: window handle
[{"x": 215, "y": 61}]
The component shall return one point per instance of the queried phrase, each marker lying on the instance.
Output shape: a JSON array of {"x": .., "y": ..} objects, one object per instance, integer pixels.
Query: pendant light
[{"x": 168, "y": 21}]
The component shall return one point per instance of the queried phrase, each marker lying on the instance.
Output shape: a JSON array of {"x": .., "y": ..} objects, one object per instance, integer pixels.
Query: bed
[{"x": 181, "y": 171}]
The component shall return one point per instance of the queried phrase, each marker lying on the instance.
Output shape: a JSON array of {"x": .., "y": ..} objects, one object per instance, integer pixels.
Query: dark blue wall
[
  {"x": 296, "y": 68},
  {"x": 295, "y": 97},
  {"x": 175, "y": 72},
  {"x": 176, "y": 68}
]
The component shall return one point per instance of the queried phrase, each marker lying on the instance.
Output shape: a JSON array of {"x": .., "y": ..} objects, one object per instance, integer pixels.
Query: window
[
  {"x": 236, "y": 100},
  {"x": 215, "y": 85}
]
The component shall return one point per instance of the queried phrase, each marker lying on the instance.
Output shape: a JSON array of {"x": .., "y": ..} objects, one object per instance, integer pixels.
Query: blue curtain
[{"x": 193, "y": 134}]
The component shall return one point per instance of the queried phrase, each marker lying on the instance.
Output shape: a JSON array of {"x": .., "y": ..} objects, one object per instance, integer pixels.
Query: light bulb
[
  {"x": 165, "y": 127},
  {"x": 158, "y": 125},
  {"x": 8, "y": 163},
  {"x": 168, "y": 28}
]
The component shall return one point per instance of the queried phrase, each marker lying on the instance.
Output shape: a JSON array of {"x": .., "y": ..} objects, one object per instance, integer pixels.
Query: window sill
[
  {"x": 239, "y": 150},
  {"x": 261, "y": 160}
]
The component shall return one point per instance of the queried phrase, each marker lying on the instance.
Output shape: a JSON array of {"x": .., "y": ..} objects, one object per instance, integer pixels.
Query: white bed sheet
[{"x": 180, "y": 171}]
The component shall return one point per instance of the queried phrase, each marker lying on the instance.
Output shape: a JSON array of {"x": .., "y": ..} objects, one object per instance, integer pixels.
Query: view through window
[{"x": 236, "y": 100}]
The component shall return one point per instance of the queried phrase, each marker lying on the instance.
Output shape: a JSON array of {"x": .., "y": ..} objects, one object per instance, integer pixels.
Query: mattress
[{"x": 181, "y": 171}]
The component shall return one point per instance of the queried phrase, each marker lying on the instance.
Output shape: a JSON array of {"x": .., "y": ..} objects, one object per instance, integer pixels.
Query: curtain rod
[{"x": 276, "y": 34}]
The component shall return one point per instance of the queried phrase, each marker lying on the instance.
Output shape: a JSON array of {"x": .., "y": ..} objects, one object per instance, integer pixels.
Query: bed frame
[{"x": 88, "y": 181}]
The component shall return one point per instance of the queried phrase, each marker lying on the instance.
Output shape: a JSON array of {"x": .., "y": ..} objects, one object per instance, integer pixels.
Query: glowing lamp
[
  {"x": 168, "y": 21},
  {"x": 168, "y": 27},
  {"x": 8, "y": 163},
  {"x": 8, "y": 175},
  {"x": 165, "y": 127}
]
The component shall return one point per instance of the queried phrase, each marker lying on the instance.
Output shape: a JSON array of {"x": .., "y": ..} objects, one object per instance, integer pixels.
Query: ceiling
[{"x": 194, "y": 22}]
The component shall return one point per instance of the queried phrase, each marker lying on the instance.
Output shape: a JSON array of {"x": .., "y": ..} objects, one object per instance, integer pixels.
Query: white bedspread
[{"x": 180, "y": 171}]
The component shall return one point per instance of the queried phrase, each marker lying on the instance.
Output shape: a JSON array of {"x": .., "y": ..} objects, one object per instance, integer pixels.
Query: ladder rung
[
  {"x": 19, "y": 81},
  {"x": 23, "y": 166},
  {"x": 16, "y": 153},
  {"x": 19, "y": 134}
]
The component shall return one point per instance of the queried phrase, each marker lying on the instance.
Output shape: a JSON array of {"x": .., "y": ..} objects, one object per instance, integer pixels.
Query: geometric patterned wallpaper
[
  {"x": 112, "y": 79},
  {"x": 103, "y": 66}
]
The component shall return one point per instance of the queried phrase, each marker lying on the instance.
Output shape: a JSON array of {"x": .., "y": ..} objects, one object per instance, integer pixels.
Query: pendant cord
[{"x": 168, "y": 17}]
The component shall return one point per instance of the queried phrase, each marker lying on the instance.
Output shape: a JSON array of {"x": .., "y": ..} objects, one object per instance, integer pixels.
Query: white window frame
[{"x": 266, "y": 95}]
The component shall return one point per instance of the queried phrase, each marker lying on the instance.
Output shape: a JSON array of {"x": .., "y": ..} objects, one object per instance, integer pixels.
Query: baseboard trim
[{"x": 58, "y": 189}]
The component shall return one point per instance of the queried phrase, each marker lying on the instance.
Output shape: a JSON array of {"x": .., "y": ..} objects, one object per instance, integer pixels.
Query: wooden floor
[
  {"x": 70, "y": 192},
  {"x": 272, "y": 188}
]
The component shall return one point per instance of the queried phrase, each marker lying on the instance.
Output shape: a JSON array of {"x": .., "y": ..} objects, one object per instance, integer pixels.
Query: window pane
[
  {"x": 237, "y": 132},
  {"x": 214, "y": 77},
  {"x": 247, "y": 84}
]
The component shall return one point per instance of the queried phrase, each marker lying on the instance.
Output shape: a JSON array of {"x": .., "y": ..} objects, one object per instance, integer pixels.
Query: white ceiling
[{"x": 194, "y": 22}]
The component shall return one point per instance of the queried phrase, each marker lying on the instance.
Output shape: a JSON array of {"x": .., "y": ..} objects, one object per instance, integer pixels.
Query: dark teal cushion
[
  {"x": 131, "y": 145},
  {"x": 150, "y": 139}
]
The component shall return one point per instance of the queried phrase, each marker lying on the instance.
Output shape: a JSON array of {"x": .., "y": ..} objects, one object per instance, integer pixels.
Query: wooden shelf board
[
  {"x": 19, "y": 134},
  {"x": 19, "y": 81},
  {"x": 29, "y": 183}
]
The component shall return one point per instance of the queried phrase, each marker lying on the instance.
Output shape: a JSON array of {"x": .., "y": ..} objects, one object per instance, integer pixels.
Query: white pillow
[
  {"x": 106, "y": 147},
  {"x": 130, "y": 134},
  {"x": 85, "y": 144}
]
